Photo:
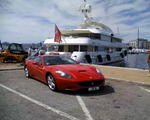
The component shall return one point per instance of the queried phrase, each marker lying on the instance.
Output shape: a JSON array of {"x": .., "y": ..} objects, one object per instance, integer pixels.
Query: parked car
[{"x": 63, "y": 73}]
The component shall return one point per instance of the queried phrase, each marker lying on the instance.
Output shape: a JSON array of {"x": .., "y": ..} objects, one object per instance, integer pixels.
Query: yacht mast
[
  {"x": 138, "y": 39},
  {"x": 86, "y": 9}
]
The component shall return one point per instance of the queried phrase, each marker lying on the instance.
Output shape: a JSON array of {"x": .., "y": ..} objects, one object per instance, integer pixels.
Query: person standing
[
  {"x": 148, "y": 61},
  {"x": 36, "y": 52},
  {"x": 30, "y": 51},
  {"x": 41, "y": 51}
]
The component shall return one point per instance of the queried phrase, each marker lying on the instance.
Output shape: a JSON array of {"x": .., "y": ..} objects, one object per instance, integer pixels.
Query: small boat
[
  {"x": 137, "y": 51},
  {"x": 92, "y": 42}
]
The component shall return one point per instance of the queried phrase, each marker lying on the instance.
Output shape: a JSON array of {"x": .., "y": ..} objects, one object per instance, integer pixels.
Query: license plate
[{"x": 93, "y": 88}]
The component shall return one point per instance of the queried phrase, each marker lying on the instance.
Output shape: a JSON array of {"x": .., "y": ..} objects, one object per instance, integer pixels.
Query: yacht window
[
  {"x": 73, "y": 48},
  {"x": 91, "y": 35},
  {"x": 95, "y": 36},
  {"x": 118, "y": 49},
  {"x": 116, "y": 39},
  {"x": 83, "y": 48},
  {"x": 78, "y": 35},
  {"x": 96, "y": 48},
  {"x": 61, "y": 48},
  {"x": 90, "y": 49}
]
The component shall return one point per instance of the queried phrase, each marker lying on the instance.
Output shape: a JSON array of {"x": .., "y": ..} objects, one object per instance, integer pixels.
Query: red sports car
[{"x": 63, "y": 73}]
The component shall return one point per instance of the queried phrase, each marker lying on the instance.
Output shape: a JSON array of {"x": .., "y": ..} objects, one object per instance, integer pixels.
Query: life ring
[
  {"x": 100, "y": 59},
  {"x": 108, "y": 57},
  {"x": 121, "y": 54},
  {"x": 88, "y": 58}
]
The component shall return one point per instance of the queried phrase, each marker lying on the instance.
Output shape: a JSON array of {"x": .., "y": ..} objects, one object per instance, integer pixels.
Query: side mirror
[{"x": 35, "y": 63}]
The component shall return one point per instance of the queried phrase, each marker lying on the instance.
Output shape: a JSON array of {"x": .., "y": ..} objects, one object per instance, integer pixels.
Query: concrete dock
[
  {"x": 115, "y": 73},
  {"x": 10, "y": 66},
  {"x": 125, "y": 74}
]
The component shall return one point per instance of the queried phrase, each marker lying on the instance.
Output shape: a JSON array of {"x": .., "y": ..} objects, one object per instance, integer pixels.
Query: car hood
[{"x": 79, "y": 71}]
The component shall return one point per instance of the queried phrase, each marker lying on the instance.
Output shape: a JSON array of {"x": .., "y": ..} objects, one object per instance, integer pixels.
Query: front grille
[{"x": 91, "y": 83}]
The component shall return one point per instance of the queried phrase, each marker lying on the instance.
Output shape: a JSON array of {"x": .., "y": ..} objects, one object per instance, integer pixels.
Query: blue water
[{"x": 134, "y": 61}]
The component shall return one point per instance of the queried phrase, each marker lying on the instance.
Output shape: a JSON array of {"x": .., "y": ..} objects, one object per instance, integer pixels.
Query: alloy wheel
[{"x": 51, "y": 82}]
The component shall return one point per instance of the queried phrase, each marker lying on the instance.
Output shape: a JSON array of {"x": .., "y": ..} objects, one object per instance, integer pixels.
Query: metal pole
[{"x": 138, "y": 39}]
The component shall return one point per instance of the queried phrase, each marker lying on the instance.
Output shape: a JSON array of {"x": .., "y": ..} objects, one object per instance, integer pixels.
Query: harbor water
[{"x": 138, "y": 61}]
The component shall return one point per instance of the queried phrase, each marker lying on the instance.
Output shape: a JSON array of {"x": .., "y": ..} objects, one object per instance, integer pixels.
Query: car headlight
[
  {"x": 99, "y": 72},
  {"x": 63, "y": 74}
]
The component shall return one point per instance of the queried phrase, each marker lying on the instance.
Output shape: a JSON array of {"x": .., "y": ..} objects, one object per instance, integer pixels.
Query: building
[
  {"x": 148, "y": 44},
  {"x": 139, "y": 43}
]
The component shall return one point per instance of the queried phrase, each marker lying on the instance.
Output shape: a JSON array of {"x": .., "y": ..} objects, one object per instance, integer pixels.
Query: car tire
[
  {"x": 51, "y": 82},
  {"x": 26, "y": 72}
]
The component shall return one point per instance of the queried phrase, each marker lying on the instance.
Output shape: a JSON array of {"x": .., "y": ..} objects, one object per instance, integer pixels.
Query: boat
[
  {"x": 138, "y": 51},
  {"x": 92, "y": 42}
]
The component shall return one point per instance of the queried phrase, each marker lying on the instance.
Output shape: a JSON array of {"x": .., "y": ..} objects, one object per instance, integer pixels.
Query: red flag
[{"x": 57, "y": 37}]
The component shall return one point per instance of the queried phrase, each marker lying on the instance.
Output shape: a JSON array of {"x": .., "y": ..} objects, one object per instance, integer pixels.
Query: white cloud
[{"x": 33, "y": 20}]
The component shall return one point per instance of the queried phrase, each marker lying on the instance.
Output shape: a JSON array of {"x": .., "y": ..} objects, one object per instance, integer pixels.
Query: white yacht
[{"x": 92, "y": 42}]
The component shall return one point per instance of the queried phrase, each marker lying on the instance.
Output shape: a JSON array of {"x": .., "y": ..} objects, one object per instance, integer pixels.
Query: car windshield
[{"x": 58, "y": 60}]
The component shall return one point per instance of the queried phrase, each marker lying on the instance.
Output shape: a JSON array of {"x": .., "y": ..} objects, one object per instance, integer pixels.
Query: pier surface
[
  {"x": 10, "y": 66},
  {"x": 125, "y": 74},
  {"x": 24, "y": 98},
  {"x": 115, "y": 73}
]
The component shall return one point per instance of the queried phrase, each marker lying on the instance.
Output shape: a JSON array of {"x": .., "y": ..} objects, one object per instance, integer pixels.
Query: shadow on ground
[{"x": 106, "y": 90}]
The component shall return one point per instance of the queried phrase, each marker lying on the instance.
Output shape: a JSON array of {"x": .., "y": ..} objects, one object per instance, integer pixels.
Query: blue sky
[{"x": 32, "y": 21}]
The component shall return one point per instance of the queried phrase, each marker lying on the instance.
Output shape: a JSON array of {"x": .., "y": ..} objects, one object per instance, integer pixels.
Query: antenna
[{"x": 86, "y": 9}]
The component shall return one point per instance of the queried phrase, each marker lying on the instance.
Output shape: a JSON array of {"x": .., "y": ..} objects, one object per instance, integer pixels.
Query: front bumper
[{"x": 75, "y": 86}]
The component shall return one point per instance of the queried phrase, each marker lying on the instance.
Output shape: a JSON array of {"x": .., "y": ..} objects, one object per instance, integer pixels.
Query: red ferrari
[{"x": 63, "y": 73}]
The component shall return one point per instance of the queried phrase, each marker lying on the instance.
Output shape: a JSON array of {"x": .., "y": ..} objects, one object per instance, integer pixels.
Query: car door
[{"x": 38, "y": 68}]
